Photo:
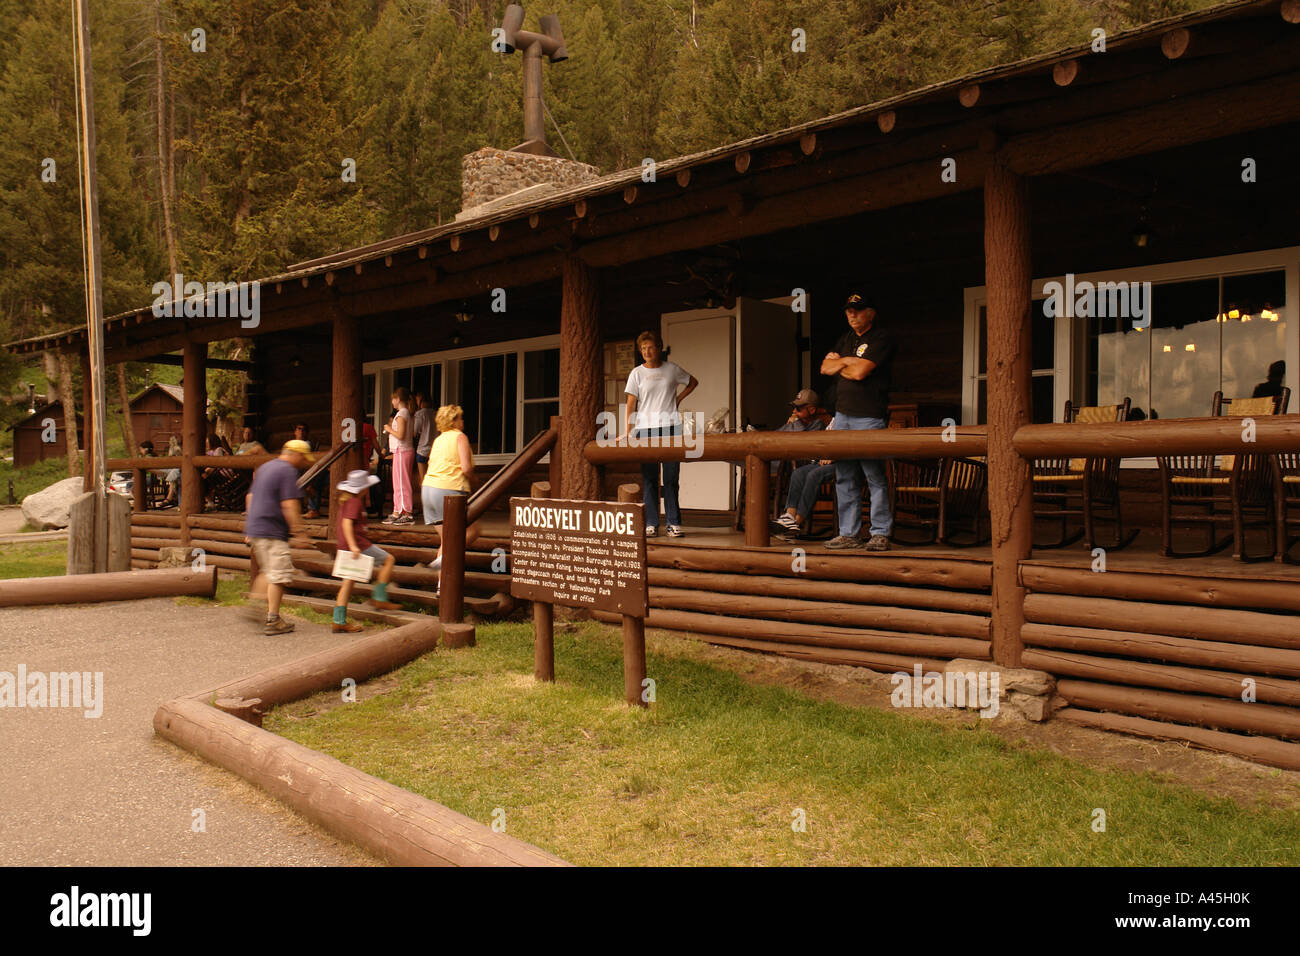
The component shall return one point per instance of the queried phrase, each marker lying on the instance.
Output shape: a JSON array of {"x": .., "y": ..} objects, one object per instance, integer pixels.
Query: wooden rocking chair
[
  {"x": 1286, "y": 502},
  {"x": 1084, "y": 488},
  {"x": 1237, "y": 493},
  {"x": 937, "y": 495}
]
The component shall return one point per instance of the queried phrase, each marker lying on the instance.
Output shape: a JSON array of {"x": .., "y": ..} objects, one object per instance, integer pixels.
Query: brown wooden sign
[{"x": 581, "y": 553}]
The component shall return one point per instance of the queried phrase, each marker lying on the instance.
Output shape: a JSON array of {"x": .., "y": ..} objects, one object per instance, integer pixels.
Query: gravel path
[{"x": 105, "y": 791}]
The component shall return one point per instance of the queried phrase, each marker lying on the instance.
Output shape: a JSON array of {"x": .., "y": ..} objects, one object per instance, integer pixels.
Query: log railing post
[
  {"x": 1008, "y": 280},
  {"x": 141, "y": 501},
  {"x": 194, "y": 380},
  {"x": 346, "y": 407},
  {"x": 757, "y": 483},
  {"x": 633, "y": 660},
  {"x": 582, "y": 393},
  {"x": 451, "y": 582}
]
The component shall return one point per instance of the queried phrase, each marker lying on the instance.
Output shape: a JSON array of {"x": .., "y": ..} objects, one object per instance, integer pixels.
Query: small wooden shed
[
  {"x": 29, "y": 448},
  {"x": 157, "y": 415}
]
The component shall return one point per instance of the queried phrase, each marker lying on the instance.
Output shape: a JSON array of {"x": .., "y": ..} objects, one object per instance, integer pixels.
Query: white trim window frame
[
  {"x": 1071, "y": 333},
  {"x": 450, "y": 362}
]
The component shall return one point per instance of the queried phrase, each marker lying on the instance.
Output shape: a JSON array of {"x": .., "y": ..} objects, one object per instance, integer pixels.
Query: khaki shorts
[{"x": 274, "y": 559}]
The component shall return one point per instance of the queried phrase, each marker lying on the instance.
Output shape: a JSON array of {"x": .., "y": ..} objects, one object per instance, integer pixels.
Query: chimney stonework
[{"x": 494, "y": 178}]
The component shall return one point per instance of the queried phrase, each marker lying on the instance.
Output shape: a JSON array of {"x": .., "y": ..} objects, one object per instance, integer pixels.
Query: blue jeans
[
  {"x": 650, "y": 484},
  {"x": 804, "y": 483},
  {"x": 848, "y": 484}
]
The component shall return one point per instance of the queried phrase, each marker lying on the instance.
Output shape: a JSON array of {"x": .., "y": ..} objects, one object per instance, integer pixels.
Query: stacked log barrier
[
  {"x": 1210, "y": 661},
  {"x": 887, "y": 613}
]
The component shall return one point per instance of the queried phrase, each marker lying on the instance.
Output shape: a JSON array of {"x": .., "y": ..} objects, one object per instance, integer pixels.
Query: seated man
[
  {"x": 808, "y": 476},
  {"x": 317, "y": 493}
]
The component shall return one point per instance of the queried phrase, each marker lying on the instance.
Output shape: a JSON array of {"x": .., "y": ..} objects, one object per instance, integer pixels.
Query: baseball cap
[
  {"x": 806, "y": 397},
  {"x": 300, "y": 446},
  {"x": 858, "y": 300}
]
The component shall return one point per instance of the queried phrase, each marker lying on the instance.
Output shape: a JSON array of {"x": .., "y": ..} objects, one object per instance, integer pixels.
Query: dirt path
[{"x": 105, "y": 791}]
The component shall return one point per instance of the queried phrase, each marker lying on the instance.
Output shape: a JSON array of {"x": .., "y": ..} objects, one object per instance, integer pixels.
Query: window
[
  {"x": 1218, "y": 324},
  {"x": 509, "y": 390},
  {"x": 1206, "y": 335}
]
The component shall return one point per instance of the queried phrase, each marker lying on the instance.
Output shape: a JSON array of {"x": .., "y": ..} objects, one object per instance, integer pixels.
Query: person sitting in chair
[{"x": 808, "y": 476}]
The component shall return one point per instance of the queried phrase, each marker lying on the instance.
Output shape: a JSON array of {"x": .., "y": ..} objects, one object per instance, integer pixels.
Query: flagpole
[{"x": 94, "y": 277}]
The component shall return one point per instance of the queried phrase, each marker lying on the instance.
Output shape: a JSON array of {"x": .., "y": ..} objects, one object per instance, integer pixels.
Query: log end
[{"x": 458, "y": 635}]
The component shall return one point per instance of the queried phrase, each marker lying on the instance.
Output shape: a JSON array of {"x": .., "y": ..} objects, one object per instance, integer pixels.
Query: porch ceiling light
[
  {"x": 1189, "y": 347},
  {"x": 1268, "y": 314},
  {"x": 1169, "y": 348}
]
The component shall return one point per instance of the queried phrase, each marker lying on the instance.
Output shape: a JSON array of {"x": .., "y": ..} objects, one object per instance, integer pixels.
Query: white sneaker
[
  {"x": 674, "y": 531},
  {"x": 435, "y": 564},
  {"x": 651, "y": 530},
  {"x": 789, "y": 521}
]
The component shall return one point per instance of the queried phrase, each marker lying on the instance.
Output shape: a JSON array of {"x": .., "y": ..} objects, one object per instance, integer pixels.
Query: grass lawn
[
  {"x": 715, "y": 771},
  {"x": 40, "y": 559}
]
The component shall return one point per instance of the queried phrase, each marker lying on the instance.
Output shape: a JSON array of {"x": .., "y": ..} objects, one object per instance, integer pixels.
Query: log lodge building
[{"x": 1169, "y": 158}]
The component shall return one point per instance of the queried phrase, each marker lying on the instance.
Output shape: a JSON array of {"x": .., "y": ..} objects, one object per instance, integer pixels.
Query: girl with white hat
[{"x": 352, "y": 535}]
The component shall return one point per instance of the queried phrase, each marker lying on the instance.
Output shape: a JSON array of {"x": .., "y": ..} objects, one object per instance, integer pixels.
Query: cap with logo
[
  {"x": 806, "y": 397},
  {"x": 858, "y": 301}
]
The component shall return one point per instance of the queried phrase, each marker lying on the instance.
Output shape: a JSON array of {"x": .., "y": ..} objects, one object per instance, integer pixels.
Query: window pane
[
  {"x": 542, "y": 374},
  {"x": 1184, "y": 348},
  {"x": 368, "y": 396},
  {"x": 1254, "y": 333},
  {"x": 401, "y": 377},
  {"x": 470, "y": 373},
  {"x": 1043, "y": 388},
  {"x": 1043, "y": 330},
  {"x": 420, "y": 379},
  {"x": 1118, "y": 364},
  {"x": 435, "y": 387},
  {"x": 510, "y": 404},
  {"x": 490, "y": 441},
  {"x": 537, "y": 418}
]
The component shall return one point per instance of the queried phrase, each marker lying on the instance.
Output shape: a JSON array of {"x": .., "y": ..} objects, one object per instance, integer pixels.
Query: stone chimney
[{"x": 492, "y": 179}]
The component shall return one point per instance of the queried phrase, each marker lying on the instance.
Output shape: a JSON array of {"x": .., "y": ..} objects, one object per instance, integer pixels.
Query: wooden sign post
[{"x": 588, "y": 554}]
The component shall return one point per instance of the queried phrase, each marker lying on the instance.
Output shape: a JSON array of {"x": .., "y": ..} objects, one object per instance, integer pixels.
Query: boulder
[{"x": 48, "y": 508}]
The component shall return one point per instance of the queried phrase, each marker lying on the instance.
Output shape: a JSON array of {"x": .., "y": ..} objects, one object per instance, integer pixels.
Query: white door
[{"x": 703, "y": 343}]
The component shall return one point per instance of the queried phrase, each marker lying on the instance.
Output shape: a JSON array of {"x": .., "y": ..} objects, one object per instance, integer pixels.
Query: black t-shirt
[{"x": 868, "y": 397}]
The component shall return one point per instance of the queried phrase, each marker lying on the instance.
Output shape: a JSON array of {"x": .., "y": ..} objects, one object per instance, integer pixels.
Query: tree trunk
[
  {"x": 128, "y": 429},
  {"x": 68, "y": 397},
  {"x": 166, "y": 184},
  {"x": 581, "y": 385}
]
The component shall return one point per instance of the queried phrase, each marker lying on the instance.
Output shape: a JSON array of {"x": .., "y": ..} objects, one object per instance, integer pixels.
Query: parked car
[{"x": 122, "y": 482}]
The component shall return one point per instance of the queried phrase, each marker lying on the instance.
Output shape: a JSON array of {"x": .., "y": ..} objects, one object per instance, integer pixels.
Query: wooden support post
[
  {"x": 629, "y": 493},
  {"x": 633, "y": 659},
  {"x": 346, "y": 407},
  {"x": 757, "y": 533},
  {"x": 88, "y": 426},
  {"x": 451, "y": 582},
  {"x": 1008, "y": 279},
  {"x": 194, "y": 379},
  {"x": 140, "y": 500},
  {"x": 543, "y": 616},
  {"x": 555, "y": 473},
  {"x": 582, "y": 393}
]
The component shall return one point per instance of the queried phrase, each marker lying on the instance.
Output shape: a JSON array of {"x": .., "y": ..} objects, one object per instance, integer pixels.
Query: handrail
[
  {"x": 308, "y": 476},
  {"x": 144, "y": 464},
  {"x": 238, "y": 462},
  {"x": 954, "y": 442},
  {"x": 495, "y": 487},
  {"x": 1224, "y": 435}
]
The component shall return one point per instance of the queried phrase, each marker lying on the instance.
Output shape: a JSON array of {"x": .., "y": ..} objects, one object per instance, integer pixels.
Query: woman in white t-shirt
[
  {"x": 402, "y": 443},
  {"x": 653, "y": 398}
]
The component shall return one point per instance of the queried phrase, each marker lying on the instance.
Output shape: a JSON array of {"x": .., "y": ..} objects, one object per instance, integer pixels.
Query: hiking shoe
[
  {"x": 404, "y": 519},
  {"x": 383, "y": 605},
  {"x": 675, "y": 531},
  {"x": 844, "y": 542},
  {"x": 877, "y": 542},
  {"x": 391, "y": 519},
  {"x": 651, "y": 530},
  {"x": 348, "y": 628},
  {"x": 277, "y": 626},
  {"x": 788, "y": 521}
]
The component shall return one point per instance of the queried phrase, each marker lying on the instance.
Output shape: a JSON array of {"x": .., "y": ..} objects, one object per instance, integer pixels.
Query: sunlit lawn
[{"x": 716, "y": 771}]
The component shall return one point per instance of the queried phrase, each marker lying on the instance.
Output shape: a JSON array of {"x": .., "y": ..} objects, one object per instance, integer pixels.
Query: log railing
[
  {"x": 756, "y": 449},
  {"x": 1224, "y": 435}
]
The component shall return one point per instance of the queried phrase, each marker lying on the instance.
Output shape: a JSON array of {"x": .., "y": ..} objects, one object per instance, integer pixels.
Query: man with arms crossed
[{"x": 862, "y": 359}]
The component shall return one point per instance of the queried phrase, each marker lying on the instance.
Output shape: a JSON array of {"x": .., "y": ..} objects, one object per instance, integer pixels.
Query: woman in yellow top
[{"x": 450, "y": 465}]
